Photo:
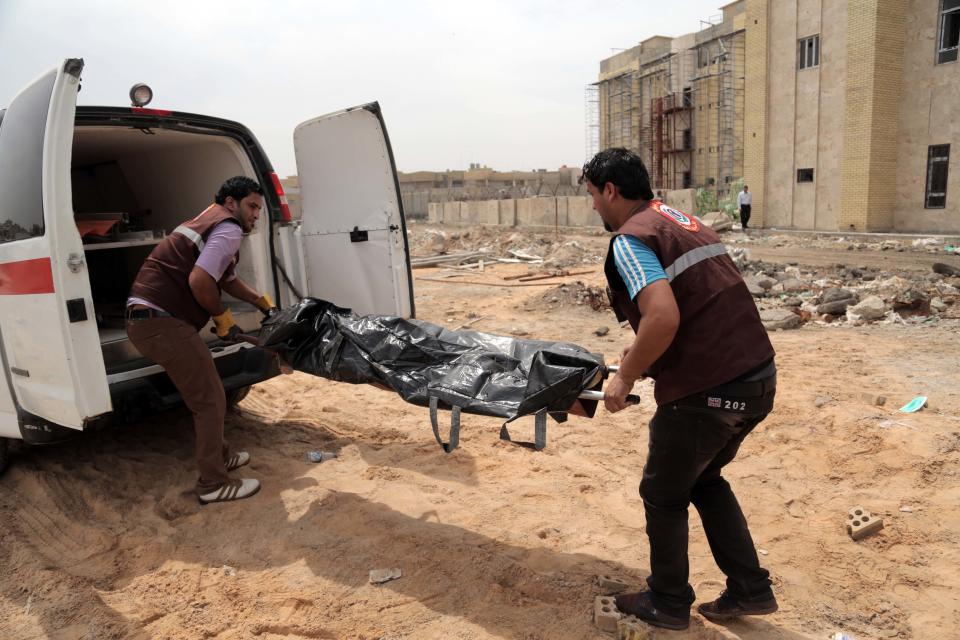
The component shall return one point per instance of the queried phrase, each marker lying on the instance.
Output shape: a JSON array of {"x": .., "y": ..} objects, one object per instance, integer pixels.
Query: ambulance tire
[
  {"x": 234, "y": 397},
  {"x": 4, "y": 454}
]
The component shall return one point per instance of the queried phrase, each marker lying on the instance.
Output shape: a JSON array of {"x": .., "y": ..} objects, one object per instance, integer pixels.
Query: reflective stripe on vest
[
  {"x": 191, "y": 235},
  {"x": 692, "y": 257}
]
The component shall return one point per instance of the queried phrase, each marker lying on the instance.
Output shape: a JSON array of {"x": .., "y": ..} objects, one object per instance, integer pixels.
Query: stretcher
[{"x": 427, "y": 365}]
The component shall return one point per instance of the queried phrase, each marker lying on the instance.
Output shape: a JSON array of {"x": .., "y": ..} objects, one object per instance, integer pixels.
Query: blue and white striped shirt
[{"x": 637, "y": 263}]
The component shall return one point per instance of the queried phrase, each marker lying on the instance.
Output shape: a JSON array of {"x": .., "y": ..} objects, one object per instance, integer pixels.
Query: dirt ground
[{"x": 102, "y": 538}]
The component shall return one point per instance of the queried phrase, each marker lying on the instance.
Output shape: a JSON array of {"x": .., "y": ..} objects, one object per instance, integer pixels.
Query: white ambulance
[{"x": 87, "y": 192}]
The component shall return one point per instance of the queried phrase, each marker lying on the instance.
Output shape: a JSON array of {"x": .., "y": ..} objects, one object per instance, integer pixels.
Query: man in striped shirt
[{"x": 699, "y": 335}]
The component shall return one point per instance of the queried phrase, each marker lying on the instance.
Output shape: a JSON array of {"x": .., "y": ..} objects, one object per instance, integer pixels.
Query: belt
[
  {"x": 746, "y": 389},
  {"x": 144, "y": 314}
]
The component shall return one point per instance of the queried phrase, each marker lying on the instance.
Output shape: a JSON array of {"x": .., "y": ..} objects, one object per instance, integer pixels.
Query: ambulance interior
[{"x": 131, "y": 188}]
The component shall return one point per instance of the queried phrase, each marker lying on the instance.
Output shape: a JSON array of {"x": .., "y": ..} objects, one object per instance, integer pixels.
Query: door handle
[{"x": 75, "y": 262}]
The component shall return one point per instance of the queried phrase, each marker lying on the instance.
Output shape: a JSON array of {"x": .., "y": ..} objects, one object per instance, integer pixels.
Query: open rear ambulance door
[
  {"x": 51, "y": 347},
  {"x": 351, "y": 245}
]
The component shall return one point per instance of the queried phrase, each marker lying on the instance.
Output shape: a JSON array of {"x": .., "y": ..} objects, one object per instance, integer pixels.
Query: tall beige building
[
  {"x": 847, "y": 117},
  {"x": 678, "y": 102}
]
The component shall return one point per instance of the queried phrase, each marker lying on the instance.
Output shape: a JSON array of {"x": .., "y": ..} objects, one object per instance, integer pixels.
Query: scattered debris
[
  {"x": 906, "y": 509},
  {"x": 873, "y": 399},
  {"x": 632, "y": 628},
  {"x": 611, "y": 585},
  {"x": 228, "y": 570},
  {"x": 605, "y": 613},
  {"x": 914, "y": 405},
  {"x": 774, "y": 319},
  {"x": 861, "y": 523},
  {"x": 470, "y": 323},
  {"x": 601, "y": 331},
  {"x": 820, "y": 401},
  {"x": 379, "y": 576},
  {"x": 573, "y": 294},
  {"x": 446, "y": 259},
  {"x": 321, "y": 456}
]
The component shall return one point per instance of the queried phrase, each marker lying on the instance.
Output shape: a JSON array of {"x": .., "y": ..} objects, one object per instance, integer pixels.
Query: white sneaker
[
  {"x": 237, "y": 460},
  {"x": 233, "y": 489}
]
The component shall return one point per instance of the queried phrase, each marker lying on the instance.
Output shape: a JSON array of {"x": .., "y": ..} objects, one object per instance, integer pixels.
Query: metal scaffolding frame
[
  {"x": 651, "y": 110},
  {"x": 592, "y": 117}
]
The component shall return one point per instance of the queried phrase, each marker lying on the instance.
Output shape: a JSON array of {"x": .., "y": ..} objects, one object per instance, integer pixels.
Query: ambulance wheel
[
  {"x": 4, "y": 454},
  {"x": 235, "y": 396}
]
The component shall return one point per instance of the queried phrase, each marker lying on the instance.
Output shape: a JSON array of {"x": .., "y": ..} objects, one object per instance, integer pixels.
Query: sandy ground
[{"x": 102, "y": 538}]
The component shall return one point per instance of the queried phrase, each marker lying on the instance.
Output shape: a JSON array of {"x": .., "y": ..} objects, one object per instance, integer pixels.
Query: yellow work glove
[
  {"x": 226, "y": 329},
  {"x": 265, "y": 304}
]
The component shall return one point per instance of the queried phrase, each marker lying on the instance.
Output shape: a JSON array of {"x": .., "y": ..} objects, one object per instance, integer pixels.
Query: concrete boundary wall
[{"x": 561, "y": 211}]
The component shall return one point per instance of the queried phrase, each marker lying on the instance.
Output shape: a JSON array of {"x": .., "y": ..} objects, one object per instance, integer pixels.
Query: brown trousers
[{"x": 176, "y": 346}]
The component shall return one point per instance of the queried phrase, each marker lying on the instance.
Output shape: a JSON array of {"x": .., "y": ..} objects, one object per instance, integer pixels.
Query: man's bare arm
[{"x": 659, "y": 321}]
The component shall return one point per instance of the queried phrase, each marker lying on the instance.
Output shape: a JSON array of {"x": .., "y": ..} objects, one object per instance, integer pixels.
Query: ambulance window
[{"x": 21, "y": 162}]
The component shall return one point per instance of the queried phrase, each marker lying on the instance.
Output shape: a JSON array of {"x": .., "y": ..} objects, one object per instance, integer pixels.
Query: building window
[
  {"x": 687, "y": 139},
  {"x": 949, "y": 31},
  {"x": 703, "y": 57},
  {"x": 810, "y": 51},
  {"x": 804, "y": 175},
  {"x": 938, "y": 159},
  {"x": 687, "y": 180}
]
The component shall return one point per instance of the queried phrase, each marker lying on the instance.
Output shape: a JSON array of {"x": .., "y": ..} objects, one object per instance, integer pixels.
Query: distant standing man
[
  {"x": 699, "y": 336},
  {"x": 174, "y": 296},
  {"x": 745, "y": 199}
]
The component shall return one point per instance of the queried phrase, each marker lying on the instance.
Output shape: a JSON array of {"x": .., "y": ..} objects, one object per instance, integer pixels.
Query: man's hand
[
  {"x": 615, "y": 395},
  {"x": 226, "y": 329},
  {"x": 265, "y": 304}
]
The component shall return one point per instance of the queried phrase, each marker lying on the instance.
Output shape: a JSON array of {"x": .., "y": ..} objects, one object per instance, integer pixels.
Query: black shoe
[
  {"x": 641, "y": 605},
  {"x": 726, "y": 607}
]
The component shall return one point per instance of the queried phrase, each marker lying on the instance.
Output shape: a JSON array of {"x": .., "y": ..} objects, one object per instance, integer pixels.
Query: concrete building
[
  {"x": 479, "y": 182},
  {"x": 678, "y": 102},
  {"x": 839, "y": 114}
]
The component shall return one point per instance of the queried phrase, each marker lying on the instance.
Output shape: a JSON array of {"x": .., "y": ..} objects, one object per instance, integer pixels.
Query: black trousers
[
  {"x": 691, "y": 441},
  {"x": 744, "y": 215}
]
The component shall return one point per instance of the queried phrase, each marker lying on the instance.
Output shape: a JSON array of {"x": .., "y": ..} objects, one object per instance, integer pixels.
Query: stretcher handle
[{"x": 598, "y": 396}]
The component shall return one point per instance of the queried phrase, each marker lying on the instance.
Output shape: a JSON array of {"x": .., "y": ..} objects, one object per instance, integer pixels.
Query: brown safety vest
[
  {"x": 720, "y": 336},
  {"x": 164, "y": 278}
]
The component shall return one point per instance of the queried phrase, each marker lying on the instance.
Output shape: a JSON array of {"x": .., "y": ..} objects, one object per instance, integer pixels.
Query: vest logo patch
[{"x": 682, "y": 219}]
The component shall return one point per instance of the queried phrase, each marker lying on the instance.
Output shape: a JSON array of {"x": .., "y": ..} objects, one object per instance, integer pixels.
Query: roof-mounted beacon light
[{"x": 140, "y": 95}]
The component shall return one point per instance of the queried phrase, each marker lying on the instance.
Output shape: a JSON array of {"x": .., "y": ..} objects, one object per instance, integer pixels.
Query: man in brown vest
[
  {"x": 174, "y": 296},
  {"x": 699, "y": 336}
]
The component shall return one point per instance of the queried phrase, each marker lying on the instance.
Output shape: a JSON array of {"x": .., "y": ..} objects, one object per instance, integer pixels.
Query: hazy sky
[{"x": 498, "y": 82}]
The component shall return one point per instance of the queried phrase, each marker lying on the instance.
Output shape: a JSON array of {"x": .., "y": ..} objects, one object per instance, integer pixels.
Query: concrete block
[
  {"x": 470, "y": 212},
  {"x": 611, "y": 585},
  {"x": 873, "y": 399},
  {"x": 561, "y": 204},
  {"x": 606, "y": 614},
  {"x": 580, "y": 212},
  {"x": 435, "y": 212},
  {"x": 451, "y": 212},
  {"x": 632, "y": 628},
  {"x": 488, "y": 212},
  {"x": 683, "y": 199},
  {"x": 537, "y": 212},
  {"x": 508, "y": 212},
  {"x": 861, "y": 523}
]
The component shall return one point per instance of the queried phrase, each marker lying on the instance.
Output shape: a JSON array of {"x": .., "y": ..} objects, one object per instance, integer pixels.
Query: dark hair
[
  {"x": 238, "y": 188},
  {"x": 623, "y": 168}
]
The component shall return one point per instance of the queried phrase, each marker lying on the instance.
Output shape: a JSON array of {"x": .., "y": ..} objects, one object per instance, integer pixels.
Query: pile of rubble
[
  {"x": 773, "y": 239},
  {"x": 557, "y": 252},
  {"x": 789, "y": 296}
]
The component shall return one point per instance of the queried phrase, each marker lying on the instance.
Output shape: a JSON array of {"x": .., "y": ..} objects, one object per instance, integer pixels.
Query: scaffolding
[
  {"x": 592, "y": 117},
  {"x": 680, "y": 108}
]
